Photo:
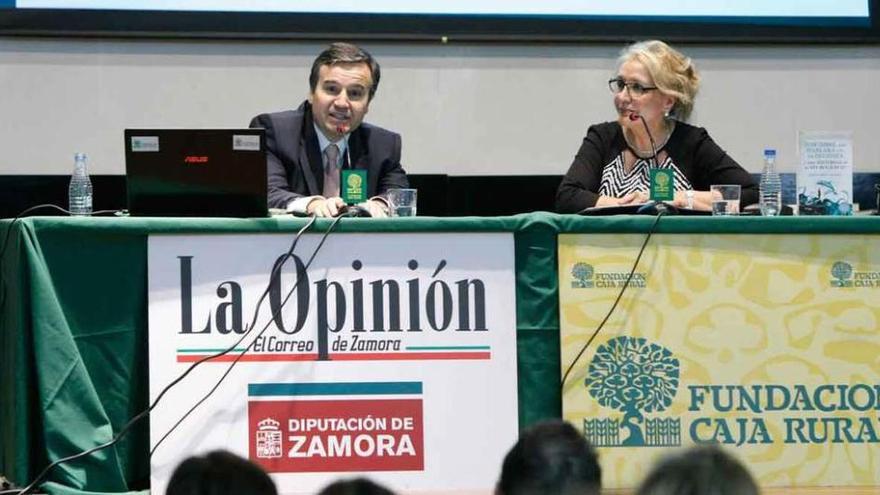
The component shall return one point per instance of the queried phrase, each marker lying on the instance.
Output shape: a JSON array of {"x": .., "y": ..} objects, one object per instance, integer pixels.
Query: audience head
[
  {"x": 702, "y": 470},
  {"x": 670, "y": 71},
  {"x": 219, "y": 473},
  {"x": 550, "y": 458},
  {"x": 356, "y": 486}
]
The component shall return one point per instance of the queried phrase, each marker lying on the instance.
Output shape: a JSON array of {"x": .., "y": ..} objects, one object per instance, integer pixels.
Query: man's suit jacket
[{"x": 295, "y": 166}]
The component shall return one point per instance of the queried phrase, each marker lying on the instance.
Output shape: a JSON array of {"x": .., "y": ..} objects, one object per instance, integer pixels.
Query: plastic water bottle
[
  {"x": 80, "y": 191},
  {"x": 771, "y": 186}
]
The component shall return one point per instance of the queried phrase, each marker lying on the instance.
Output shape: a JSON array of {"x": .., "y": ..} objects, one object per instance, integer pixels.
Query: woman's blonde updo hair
[{"x": 671, "y": 71}]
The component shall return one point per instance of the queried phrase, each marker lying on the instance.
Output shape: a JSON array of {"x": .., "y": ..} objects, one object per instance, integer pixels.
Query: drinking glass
[
  {"x": 725, "y": 199},
  {"x": 403, "y": 202}
]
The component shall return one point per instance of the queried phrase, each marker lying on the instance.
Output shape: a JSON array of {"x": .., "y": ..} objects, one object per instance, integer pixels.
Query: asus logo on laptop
[{"x": 195, "y": 159}]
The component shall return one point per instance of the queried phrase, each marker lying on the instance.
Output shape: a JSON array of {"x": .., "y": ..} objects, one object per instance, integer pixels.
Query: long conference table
[{"x": 73, "y": 343}]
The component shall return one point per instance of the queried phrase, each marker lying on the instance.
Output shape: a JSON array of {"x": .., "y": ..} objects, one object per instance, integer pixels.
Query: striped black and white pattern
[{"x": 618, "y": 183}]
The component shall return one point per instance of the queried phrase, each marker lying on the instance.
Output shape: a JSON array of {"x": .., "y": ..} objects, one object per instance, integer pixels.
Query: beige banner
[{"x": 768, "y": 344}]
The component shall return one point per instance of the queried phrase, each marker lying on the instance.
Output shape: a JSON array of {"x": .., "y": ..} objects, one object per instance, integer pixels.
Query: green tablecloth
[{"x": 74, "y": 324}]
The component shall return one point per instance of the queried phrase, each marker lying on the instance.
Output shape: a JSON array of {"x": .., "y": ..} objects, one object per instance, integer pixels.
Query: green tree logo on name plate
[
  {"x": 663, "y": 180},
  {"x": 635, "y": 377},
  {"x": 842, "y": 271},
  {"x": 583, "y": 276},
  {"x": 355, "y": 181}
]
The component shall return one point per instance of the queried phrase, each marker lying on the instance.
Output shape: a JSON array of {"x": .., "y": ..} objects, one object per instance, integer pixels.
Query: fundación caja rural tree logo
[
  {"x": 842, "y": 273},
  {"x": 845, "y": 276},
  {"x": 582, "y": 276},
  {"x": 635, "y": 377},
  {"x": 585, "y": 276}
]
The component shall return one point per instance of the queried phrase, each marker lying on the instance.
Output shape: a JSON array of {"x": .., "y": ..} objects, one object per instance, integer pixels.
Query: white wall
[{"x": 462, "y": 109}]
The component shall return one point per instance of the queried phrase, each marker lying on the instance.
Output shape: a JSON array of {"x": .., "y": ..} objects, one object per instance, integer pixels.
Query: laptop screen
[{"x": 196, "y": 172}]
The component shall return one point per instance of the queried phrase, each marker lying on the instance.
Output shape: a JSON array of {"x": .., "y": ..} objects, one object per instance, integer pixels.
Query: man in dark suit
[{"x": 308, "y": 146}]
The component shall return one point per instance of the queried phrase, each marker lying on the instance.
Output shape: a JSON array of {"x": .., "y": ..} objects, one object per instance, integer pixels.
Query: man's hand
[
  {"x": 326, "y": 207},
  {"x": 377, "y": 208}
]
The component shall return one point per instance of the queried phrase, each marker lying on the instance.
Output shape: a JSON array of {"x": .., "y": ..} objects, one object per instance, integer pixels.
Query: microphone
[
  {"x": 353, "y": 182},
  {"x": 653, "y": 207},
  {"x": 342, "y": 129},
  {"x": 657, "y": 208},
  {"x": 357, "y": 211},
  {"x": 637, "y": 116}
]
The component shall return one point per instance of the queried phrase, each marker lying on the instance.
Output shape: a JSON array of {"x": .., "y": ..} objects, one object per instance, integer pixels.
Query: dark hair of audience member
[
  {"x": 219, "y": 473},
  {"x": 550, "y": 458},
  {"x": 702, "y": 470},
  {"x": 356, "y": 486}
]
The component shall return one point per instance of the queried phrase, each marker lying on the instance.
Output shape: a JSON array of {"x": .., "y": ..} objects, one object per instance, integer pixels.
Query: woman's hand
[
  {"x": 702, "y": 200},
  {"x": 632, "y": 198}
]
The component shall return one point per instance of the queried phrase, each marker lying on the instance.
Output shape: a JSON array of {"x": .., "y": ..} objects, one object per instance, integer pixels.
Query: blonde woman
[{"x": 654, "y": 89}]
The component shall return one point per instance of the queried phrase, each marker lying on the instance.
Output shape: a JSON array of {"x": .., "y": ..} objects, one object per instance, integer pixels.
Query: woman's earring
[{"x": 666, "y": 114}]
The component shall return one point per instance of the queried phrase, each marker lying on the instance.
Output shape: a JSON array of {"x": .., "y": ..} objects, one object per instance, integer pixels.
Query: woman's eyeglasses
[{"x": 617, "y": 85}]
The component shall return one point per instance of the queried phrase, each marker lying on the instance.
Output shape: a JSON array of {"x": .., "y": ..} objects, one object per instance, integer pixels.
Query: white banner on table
[{"x": 394, "y": 357}]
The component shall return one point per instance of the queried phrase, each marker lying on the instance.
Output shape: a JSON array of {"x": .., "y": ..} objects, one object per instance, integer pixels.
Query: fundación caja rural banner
[
  {"x": 766, "y": 344},
  {"x": 391, "y": 356}
]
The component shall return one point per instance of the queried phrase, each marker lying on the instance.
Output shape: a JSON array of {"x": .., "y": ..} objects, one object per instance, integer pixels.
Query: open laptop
[{"x": 196, "y": 172}]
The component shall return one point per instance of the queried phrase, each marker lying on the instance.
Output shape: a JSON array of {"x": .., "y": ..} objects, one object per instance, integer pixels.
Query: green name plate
[
  {"x": 353, "y": 186},
  {"x": 662, "y": 184}
]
